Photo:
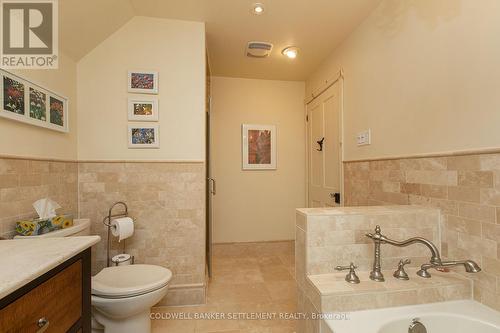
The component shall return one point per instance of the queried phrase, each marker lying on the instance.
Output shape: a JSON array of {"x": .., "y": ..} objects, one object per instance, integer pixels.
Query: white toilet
[{"x": 122, "y": 296}]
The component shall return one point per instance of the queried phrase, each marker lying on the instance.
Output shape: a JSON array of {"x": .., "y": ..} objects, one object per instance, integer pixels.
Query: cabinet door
[{"x": 53, "y": 306}]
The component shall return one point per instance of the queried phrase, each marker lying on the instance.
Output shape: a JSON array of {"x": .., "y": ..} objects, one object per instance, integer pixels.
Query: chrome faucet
[{"x": 435, "y": 261}]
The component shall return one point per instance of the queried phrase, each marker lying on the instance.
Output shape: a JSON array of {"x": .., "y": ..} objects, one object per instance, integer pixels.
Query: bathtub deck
[{"x": 332, "y": 293}]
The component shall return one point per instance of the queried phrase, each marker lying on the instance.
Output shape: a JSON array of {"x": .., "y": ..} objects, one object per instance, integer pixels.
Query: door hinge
[{"x": 307, "y": 117}]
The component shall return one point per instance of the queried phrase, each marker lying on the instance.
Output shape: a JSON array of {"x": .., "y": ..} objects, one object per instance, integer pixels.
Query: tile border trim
[
  {"x": 187, "y": 286},
  {"x": 428, "y": 155},
  {"x": 50, "y": 159},
  {"x": 253, "y": 242}
]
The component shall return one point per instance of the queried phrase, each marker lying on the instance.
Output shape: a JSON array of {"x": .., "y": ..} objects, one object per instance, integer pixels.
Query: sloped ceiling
[{"x": 315, "y": 26}]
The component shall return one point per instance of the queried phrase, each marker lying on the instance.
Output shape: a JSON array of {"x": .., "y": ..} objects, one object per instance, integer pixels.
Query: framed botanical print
[
  {"x": 143, "y": 136},
  {"x": 28, "y": 102},
  {"x": 57, "y": 113},
  {"x": 258, "y": 147},
  {"x": 143, "y": 82},
  {"x": 38, "y": 104},
  {"x": 143, "y": 109}
]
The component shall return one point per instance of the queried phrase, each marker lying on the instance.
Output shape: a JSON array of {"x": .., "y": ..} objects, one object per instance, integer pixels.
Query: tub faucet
[
  {"x": 469, "y": 265},
  {"x": 435, "y": 261}
]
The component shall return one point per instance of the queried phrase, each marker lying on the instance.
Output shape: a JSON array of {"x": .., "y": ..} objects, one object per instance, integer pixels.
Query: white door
[{"x": 324, "y": 148}]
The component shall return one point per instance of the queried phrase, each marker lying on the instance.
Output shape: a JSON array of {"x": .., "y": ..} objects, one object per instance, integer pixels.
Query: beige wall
[
  {"x": 423, "y": 75},
  {"x": 167, "y": 202},
  {"x": 23, "y": 181},
  {"x": 176, "y": 49},
  {"x": 257, "y": 205},
  {"x": 26, "y": 140},
  {"x": 465, "y": 188},
  {"x": 166, "y": 199}
]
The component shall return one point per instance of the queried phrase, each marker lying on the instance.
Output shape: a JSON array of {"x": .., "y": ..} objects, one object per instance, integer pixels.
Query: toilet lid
[{"x": 129, "y": 280}]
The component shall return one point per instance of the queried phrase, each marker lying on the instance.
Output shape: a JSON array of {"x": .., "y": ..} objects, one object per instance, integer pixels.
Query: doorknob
[{"x": 335, "y": 196}]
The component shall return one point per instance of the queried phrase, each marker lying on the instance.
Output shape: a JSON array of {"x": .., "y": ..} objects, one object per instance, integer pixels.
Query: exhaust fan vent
[{"x": 259, "y": 49}]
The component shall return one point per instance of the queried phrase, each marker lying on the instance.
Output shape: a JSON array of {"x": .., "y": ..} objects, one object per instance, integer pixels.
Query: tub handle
[
  {"x": 400, "y": 273},
  {"x": 351, "y": 277}
]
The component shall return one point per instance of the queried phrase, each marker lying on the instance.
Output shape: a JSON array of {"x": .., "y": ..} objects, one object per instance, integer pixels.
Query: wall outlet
[{"x": 364, "y": 138}]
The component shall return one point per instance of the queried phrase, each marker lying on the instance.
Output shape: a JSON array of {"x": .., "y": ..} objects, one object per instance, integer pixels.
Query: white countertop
[{"x": 23, "y": 260}]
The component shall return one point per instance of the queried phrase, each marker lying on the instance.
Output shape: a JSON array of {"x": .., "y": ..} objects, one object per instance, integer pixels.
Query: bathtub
[{"x": 456, "y": 316}]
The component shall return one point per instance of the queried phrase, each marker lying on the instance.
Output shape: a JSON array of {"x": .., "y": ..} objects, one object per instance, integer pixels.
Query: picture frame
[
  {"x": 142, "y": 82},
  {"x": 258, "y": 147},
  {"x": 143, "y": 136},
  {"x": 143, "y": 109},
  {"x": 28, "y": 102}
]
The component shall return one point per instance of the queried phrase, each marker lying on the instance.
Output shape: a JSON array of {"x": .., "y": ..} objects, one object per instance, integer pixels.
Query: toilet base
[
  {"x": 140, "y": 322},
  {"x": 96, "y": 327}
]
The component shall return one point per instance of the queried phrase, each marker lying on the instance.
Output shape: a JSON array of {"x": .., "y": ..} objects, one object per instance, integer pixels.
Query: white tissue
[
  {"x": 122, "y": 228},
  {"x": 46, "y": 208}
]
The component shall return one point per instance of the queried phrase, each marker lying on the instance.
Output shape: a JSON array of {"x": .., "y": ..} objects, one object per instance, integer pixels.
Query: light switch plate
[{"x": 364, "y": 138}]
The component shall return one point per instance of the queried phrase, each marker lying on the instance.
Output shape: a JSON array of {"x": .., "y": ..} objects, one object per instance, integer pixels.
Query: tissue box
[{"x": 43, "y": 226}]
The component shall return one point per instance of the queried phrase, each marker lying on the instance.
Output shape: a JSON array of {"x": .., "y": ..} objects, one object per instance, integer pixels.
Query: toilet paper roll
[
  {"x": 122, "y": 228},
  {"x": 122, "y": 259}
]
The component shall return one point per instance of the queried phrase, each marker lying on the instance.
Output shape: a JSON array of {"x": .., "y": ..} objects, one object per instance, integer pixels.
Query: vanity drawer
[{"x": 58, "y": 300}]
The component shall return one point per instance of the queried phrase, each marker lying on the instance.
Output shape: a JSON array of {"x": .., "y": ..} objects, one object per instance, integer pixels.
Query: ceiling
[{"x": 315, "y": 26}]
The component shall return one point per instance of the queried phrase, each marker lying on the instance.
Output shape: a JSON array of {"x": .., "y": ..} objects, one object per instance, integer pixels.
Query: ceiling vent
[{"x": 259, "y": 49}]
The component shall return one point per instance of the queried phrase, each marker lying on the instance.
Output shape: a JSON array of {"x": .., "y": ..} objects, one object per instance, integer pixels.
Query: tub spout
[
  {"x": 469, "y": 265},
  {"x": 378, "y": 239}
]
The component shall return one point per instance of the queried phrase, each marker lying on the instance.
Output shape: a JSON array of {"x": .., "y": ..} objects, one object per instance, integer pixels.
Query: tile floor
[{"x": 248, "y": 279}]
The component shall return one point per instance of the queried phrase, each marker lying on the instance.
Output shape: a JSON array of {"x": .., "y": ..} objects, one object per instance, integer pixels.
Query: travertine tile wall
[
  {"x": 337, "y": 237},
  {"x": 23, "y": 181},
  {"x": 167, "y": 202},
  {"x": 466, "y": 189},
  {"x": 327, "y": 237},
  {"x": 166, "y": 199}
]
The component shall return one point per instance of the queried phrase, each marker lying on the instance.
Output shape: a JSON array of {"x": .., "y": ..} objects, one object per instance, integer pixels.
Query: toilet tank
[{"x": 81, "y": 227}]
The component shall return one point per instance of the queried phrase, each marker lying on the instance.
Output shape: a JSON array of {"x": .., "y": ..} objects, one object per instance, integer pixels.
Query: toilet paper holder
[{"x": 107, "y": 222}]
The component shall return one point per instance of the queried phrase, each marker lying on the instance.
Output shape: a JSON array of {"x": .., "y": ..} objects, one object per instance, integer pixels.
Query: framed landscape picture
[
  {"x": 143, "y": 136},
  {"x": 143, "y": 82},
  {"x": 143, "y": 109},
  {"x": 259, "y": 147},
  {"x": 31, "y": 103}
]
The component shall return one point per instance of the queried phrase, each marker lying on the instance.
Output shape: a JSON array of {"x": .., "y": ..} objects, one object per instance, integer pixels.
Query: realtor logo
[{"x": 29, "y": 34}]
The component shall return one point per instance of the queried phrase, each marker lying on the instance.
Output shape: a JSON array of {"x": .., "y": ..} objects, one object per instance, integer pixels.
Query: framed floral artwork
[
  {"x": 258, "y": 147},
  {"x": 13, "y": 96},
  {"x": 38, "y": 104},
  {"x": 143, "y": 82},
  {"x": 143, "y": 109},
  {"x": 143, "y": 136},
  {"x": 25, "y": 101}
]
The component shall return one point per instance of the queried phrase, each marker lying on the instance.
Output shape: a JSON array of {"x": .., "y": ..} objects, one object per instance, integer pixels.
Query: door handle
[
  {"x": 213, "y": 188},
  {"x": 335, "y": 196}
]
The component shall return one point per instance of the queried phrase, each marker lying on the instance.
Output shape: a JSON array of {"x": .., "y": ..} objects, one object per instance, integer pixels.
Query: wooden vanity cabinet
[{"x": 58, "y": 301}]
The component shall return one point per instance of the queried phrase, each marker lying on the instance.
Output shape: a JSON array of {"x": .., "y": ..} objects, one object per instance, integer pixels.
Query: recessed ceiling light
[
  {"x": 257, "y": 8},
  {"x": 291, "y": 52}
]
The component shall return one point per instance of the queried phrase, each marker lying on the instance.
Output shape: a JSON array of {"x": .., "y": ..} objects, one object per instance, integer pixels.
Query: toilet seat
[{"x": 130, "y": 280}]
